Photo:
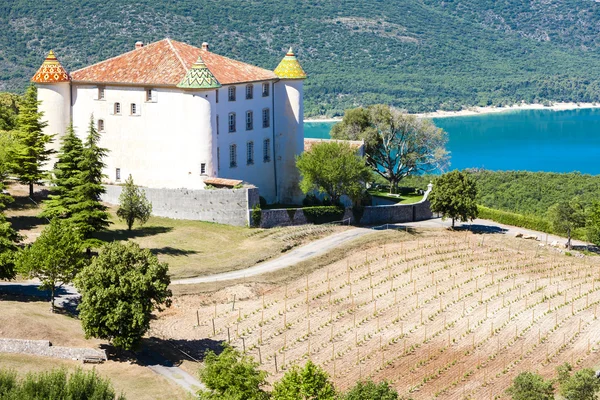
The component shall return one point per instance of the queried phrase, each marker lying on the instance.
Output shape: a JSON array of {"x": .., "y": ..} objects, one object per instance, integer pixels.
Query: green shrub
[
  {"x": 323, "y": 214},
  {"x": 256, "y": 215}
]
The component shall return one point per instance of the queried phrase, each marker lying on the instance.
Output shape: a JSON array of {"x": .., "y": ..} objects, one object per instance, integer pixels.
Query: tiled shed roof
[{"x": 166, "y": 62}]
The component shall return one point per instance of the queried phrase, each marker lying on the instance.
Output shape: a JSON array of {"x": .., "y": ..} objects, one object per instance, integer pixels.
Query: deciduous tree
[
  {"x": 582, "y": 385},
  {"x": 333, "y": 168},
  {"x": 453, "y": 196},
  {"x": 133, "y": 204},
  {"x": 66, "y": 177},
  {"x": 396, "y": 144},
  {"x": 232, "y": 376},
  {"x": 370, "y": 390},
  {"x": 592, "y": 224},
  {"x": 566, "y": 216},
  {"x": 308, "y": 383},
  {"x": 31, "y": 152},
  {"x": 54, "y": 258},
  {"x": 530, "y": 386},
  {"x": 88, "y": 213},
  {"x": 119, "y": 291}
]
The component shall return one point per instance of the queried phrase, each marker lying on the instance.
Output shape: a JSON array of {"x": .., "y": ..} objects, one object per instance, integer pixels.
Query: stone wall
[
  {"x": 44, "y": 348},
  {"x": 224, "y": 206}
]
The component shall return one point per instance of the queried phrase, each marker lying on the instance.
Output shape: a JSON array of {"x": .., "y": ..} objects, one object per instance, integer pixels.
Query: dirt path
[{"x": 313, "y": 249}]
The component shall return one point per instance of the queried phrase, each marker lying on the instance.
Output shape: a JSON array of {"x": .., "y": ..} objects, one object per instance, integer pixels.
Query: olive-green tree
[
  {"x": 566, "y": 216},
  {"x": 582, "y": 385},
  {"x": 133, "y": 204},
  {"x": 63, "y": 195},
  {"x": 308, "y": 383},
  {"x": 531, "y": 386},
  {"x": 396, "y": 144},
  {"x": 370, "y": 390},
  {"x": 232, "y": 376},
  {"x": 333, "y": 168},
  {"x": 592, "y": 223},
  {"x": 31, "y": 152},
  {"x": 54, "y": 258},
  {"x": 453, "y": 196},
  {"x": 119, "y": 291}
]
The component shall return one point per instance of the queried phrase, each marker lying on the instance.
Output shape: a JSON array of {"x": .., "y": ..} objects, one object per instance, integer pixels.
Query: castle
[{"x": 177, "y": 116}]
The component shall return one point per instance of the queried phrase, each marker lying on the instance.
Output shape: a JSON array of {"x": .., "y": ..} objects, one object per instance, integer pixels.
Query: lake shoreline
[{"x": 486, "y": 110}]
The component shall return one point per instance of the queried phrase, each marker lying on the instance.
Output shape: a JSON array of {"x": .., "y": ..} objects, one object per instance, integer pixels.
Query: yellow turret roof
[
  {"x": 290, "y": 68},
  {"x": 51, "y": 71}
]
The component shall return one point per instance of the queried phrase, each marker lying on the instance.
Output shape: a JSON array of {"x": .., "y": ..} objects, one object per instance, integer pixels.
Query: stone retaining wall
[
  {"x": 44, "y": 348},
  {"x": 223, "y": 206}
]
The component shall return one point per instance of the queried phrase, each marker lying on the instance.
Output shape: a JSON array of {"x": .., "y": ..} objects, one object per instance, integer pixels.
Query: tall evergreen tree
[
  {"x": 8, "y": 240},
  {"x": 88, "y": 214},
  {"x": 66, "y": 177},
  {"x": 31, "y": 153}
]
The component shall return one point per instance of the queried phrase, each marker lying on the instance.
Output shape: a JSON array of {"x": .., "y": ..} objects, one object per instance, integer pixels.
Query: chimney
[
  {"x": 205, "y": 46},
  {"x": 139, "y": 45}
]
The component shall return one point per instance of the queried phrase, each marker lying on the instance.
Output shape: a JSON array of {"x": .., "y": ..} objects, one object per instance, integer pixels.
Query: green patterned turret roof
[
  {"x": 199, "y": 77},
  {"x": 289, "y": 67}
]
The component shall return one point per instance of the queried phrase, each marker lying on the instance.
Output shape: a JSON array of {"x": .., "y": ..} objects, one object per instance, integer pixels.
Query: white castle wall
[
  {"x": 289, "y": 132},
  {"x": 56, "y": 106}
]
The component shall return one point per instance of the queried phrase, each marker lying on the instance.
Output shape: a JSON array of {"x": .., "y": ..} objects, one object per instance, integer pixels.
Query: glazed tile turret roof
[
  {"x": 51, "y": 71},
  {"x": 167, "y": 62},
  {"x": 199, "y": 77},
  {"x": 289, "y": 67}
]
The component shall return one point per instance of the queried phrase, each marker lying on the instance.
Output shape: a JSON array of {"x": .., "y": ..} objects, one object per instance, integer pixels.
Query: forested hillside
[{"x": 420, "y": 55}]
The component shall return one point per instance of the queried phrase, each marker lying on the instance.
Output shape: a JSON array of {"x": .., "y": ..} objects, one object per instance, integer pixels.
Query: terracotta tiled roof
[
  {"x": 359, "y": 145},
  {"x": 166, "y": 62},
  {"x": 51, "y": 71}
]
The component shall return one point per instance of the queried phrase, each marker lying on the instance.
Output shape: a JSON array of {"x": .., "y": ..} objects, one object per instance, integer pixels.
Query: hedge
[{"x": 323, "y": 214}]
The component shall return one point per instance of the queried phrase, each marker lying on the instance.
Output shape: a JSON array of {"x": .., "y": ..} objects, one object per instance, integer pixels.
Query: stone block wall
[
  {"x": 224, "y": 206},
  {"x": 45, "y": 349}
]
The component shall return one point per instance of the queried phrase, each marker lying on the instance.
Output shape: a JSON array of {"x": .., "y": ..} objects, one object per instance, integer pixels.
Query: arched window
[
  {"x": 249, "y": 120},
  {"x": 266, "y": 118},
  {"x": 231, "y": 93},
  {"x": 232, "y": 156},
  {"x": 231, "y": 122},
  {"x": 265, "y": 90},
  {"x": 267, "y": 150},
  {"x": 100, "y": 125},
  {"x": 249, "y": 92},
  {"x": 117, "y": 109}
]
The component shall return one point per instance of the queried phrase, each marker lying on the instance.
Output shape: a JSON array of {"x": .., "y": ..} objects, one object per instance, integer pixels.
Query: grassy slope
[
  {"x": 416, "y": 54},
  {"x": 32, "y": 320}
]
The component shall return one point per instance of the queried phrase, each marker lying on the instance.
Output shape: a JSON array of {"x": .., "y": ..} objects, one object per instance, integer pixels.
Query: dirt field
[
  {"x": 191, "y": 248},
  {"x": 438, "y": 314},
  {"x": 32, "y": 320}
]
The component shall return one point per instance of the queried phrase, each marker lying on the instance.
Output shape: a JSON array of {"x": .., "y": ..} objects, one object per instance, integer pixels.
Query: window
[
  {"x": 216, "y": 95},
  {"x": 217, "y": 122},
  {"x": 149, "y": 95},
  {"x": 118, "y": 174},
  {"x": 231, "y": 93},
  {"x": 267, "y": 150},
  {"x": 134, "y": 109},
  {"x": 249, "y": 92},
  {"x": 249, "y": 120},
  {"x": 117, "y": 109},
  {"x": 202, "y": 169},
  {"x": 232, "y": 156},
  {"x": 231, "y": 122},
  {"x": 101, "y": 93},
  {"x": 250, "y": 153},
  {"x": 266, "y": 114},
  {"x": 265, "y": 90},
  {"x": 100, "y": 125}
]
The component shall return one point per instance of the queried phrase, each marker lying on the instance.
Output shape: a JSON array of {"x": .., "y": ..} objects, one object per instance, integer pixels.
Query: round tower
[
  {"x": 289, "y": 126},
  {"x": 200, "y": 79},
  {"x": 54, "y": 92}
]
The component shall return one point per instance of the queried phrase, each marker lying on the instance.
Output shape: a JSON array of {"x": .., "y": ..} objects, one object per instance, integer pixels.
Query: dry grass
[
  {"x": 32, "y": 320},
  {"x": 440, "y": 314},
  {"x": 134, "y": 381},
  {"x": 191, "y": 248}
]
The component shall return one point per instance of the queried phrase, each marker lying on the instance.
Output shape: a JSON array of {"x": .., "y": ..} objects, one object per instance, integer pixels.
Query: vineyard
[{"x": 439, "y": 315}]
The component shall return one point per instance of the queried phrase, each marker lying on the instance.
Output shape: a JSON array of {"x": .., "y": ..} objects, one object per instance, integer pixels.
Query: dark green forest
[{"x": 419, "y": 55}]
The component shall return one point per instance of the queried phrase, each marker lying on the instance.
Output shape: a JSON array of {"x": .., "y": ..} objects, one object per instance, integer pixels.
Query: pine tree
[
  {"x": 133, "y": 204},
  {"x": 8, "y": 239},
  {"x": 31, "y": 153},
  {"x": 66, "y": 174},
  {"x": 88, "y": 214}
]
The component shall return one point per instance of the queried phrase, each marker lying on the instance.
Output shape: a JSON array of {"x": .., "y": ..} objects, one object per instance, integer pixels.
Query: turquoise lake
[{"x": 532, "y": 140}]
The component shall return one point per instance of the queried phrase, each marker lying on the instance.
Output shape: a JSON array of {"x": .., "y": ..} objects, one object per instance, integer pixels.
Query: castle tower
[
  {"x": 289, "y": 126},
  {"x": 54, "y": 91},
  {"x": 199, "y": 79}
]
